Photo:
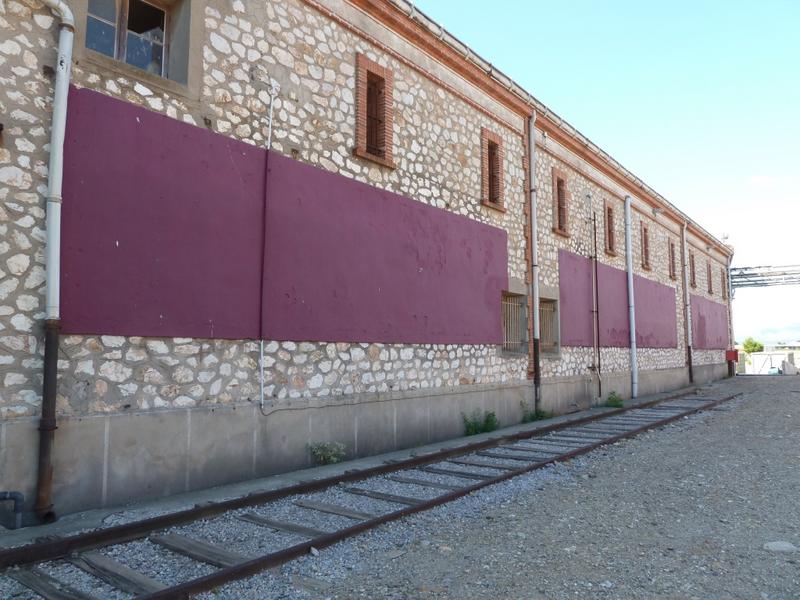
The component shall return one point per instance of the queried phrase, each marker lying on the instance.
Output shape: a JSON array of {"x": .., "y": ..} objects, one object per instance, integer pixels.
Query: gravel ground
[
  {"x": 689, "y": 511},
  {"x": 705, "y": 508}
]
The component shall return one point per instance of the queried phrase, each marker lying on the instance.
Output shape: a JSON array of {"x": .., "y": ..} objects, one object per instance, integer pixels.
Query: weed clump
[
  {"x": 326, "y": 453},
  {"x": 614, "y": 400},
  {"x": 475, "y": 423}
]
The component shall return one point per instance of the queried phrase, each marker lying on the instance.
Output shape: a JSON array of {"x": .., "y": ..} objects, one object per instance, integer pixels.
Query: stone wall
[{"x": 245, "y": 46}]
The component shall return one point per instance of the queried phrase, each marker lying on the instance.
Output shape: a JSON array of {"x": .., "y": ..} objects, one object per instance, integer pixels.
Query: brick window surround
[
  {"x": 560, "y": 203},
  {"x": 374, "y": 112},
  {"x": 692, "y": 270},
  {"x": 492, "y": 155},
  {"x": 673, "y": 267},
  {"x": 609, "y": 225},
  {"x": 645, "y": 232},
  {"x": 709, "y": 277}
]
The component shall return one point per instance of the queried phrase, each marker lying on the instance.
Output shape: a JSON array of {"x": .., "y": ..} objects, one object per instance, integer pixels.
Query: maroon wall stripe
[
  {"x": 656, "y": 318},
  {"x": 347, "y": 261},
  {"x": 161, "y": 225},
  {"x": 162, "y": 236},
  {"x": 709, "y": 324}
]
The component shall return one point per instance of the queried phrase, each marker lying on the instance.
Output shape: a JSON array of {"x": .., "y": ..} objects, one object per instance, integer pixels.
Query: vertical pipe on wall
[
  {"x": 687, "y": 305},
  {"x": 596, "y": 307},
  {"x": 534, "y": 288},
  {"x": 47, "y": 423},
  {"x": 631, "y": 300},
  {"x": 731, "y": 340},
  {"x": 273, "y": 93}
]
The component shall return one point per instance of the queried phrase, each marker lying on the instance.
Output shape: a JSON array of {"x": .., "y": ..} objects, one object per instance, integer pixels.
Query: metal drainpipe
[
  {"x": 731, "y": 340},
  {"x": 47, "y": 423},
  {"x": 273, "y": 93},
  {"x": 596, "y": 305},
  {"x": 534, "y": 287},
  {"x": 687, "y": 305},
  {"x": 631, "y": 301}
]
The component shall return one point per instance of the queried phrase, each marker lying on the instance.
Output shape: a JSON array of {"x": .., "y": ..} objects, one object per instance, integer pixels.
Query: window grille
[
  {"x": 548, "y": 325},
  {"x": 515, "y": 326}
]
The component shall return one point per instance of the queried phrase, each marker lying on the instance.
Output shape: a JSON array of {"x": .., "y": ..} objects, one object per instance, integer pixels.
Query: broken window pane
[
  {"x": 100, "y": 36},
  {"x": 146, "y": 20},
  {"x": 145, "y": 40}
]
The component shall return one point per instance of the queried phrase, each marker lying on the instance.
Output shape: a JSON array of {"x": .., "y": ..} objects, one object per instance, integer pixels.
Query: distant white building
[{"x": 760, "y": 363}]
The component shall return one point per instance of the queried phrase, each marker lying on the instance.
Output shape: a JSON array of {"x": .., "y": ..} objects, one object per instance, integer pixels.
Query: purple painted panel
[
  {"x": 656, "y": 321},
  {"x": 349, "y": 262},
  {"x": 161, "y": 225},
  {"x": 575, "y": 299},
  {"x": 656, "y": 318},
  {"x": 709, "y": 324},
  {"x": 613, "y": 306}
]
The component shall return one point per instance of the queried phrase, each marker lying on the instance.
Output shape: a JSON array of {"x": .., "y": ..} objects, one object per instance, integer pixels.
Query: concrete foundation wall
[
  {"x": 108, "y": 460},
  {"x": 113, "y": 459}
]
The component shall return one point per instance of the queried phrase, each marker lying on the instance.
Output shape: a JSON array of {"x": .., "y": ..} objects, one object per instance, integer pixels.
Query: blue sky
[{"x": 699, "y": 99}]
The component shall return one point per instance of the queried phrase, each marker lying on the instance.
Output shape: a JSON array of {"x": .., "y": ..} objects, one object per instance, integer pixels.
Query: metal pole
[
  {"x": 631, "y": 300},
  {"x": 47, "y": 423},
  {"x": 534, "y": 287},
  {"x": 687, "y": 305}
]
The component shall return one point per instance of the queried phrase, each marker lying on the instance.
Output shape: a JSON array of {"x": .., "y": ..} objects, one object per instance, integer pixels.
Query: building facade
[{"x": 304, "y": 221}]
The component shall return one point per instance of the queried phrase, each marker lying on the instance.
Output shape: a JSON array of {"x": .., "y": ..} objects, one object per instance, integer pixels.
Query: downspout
[
  {"x": 631, "y": 302},
  {"x": 47, "y": 423},
  {"x": 731, "y": 340},
  {"x": 687, "y": 305},
  {"x": 596, "y": 306},
  {"x": 534, "y": 287},
  {"x": 273, "y": 93}
]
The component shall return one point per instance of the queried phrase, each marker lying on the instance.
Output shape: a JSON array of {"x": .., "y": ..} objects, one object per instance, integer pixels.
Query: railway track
[{"x": 212, "y": 544}]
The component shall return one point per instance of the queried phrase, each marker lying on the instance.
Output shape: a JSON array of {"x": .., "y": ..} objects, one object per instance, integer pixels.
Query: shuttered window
[
  {"x": 645, "y": 247},
  {"x": 560, "y": 203},
  {"x": 491, "y": 169},
  {"x": 724, "y": 283},
  {"x": 609, "y": 223},
  {"x": 709, "y": 277},
  {"x": 376, "y": 143},
  {"x": 494, "y": 173},
  {"x": 673, "y": 267},
  {"x": 692, "y": 270}
]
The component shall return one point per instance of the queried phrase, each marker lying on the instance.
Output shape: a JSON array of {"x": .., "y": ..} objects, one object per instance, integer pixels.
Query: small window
[
  {"x": 376, "y": 142},
  {"x": 611, "y": 247},
  {"x": 645, "y": 246},
  {"x": 491, "y": 169},
  {"x": 673, "y": 267},
  {"x": 515, "y": 325},
  {"x": 560, "y": 203},
  {"x": 135, "y": 32},
  {"x": 723, "y": 278},
  {"x": 374, "y": 118},
  {"x": 548, "y": 325},
  {"x": 692, "y": 270},
  {"x": 709, "y": 277}
]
